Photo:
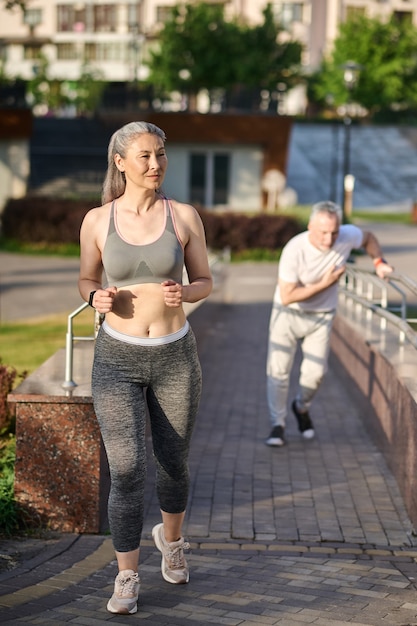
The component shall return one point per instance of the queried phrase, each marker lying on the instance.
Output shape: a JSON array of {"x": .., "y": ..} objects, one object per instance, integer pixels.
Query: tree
[
  {"x": 387, "y": 53},
  {"x": 199, "y": 49},
  {"x": 268, "y": 61},
  {"x": 9, "y": 5},
  {"x": 86, "y": 92},
  {"x": 50, "y": 95},
  {"x": 194, "y": 50}
]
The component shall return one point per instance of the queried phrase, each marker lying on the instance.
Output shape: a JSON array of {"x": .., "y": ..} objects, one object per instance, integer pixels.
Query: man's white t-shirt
[{"x": 304, "y": 264}]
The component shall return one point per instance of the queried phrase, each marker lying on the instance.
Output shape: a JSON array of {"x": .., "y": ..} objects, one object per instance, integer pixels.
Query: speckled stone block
[
  {"x": 61, "y": 471},
  {"x": 381, "y": 375}
]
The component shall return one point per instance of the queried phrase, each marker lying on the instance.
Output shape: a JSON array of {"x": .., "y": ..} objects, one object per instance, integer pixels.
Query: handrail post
[{"x": 68, "y": 382}]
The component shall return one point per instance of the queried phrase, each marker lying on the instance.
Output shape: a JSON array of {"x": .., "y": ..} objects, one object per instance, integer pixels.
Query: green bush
[
  {"x": 37, "y": 219},
  {"x": 9, "y": 511},
  {"x": 238, "y": 231},
  {"x": 8, "y": 376},
  {"x": 12, "y": 516}
]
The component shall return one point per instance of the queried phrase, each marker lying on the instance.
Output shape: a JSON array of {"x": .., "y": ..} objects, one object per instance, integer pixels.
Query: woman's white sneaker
[
  {"x": 126, "y": 592},
  {"x": 174, "y": 567}
]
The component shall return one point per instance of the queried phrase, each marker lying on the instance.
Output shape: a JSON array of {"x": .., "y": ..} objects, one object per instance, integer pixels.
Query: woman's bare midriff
[{"x": 140, "y": 311}]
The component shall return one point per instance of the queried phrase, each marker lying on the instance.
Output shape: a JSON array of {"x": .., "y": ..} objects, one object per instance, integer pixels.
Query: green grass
[
  {"x": 301, "y": 213},
  {"x": 58, "y": 249},
  {"x": 26, "y": 345},
  {"x": 256, "y": 254},
  {"x": 381, "y": 218}
]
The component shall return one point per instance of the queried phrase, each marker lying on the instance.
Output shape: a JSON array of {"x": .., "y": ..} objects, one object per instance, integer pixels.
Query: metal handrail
[
  {"x": 370, "y": 292},
  {"x": 69, "y": 343}
]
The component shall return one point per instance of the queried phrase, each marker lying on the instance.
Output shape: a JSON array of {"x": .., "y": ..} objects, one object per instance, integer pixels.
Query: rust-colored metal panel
[{"x": 15, "y": 123}]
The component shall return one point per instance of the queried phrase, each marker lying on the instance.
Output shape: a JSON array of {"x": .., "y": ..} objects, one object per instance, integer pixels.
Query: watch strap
[{"x": 90, "y": 299}]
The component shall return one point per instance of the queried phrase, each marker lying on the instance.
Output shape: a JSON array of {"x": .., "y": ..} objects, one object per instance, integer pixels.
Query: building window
[
  {"x": 66, "y": 51},
  {"x": 70, "y": 18},
  {"x": 352, "y": 12},
  {"x": 198, "y": 178},
  {"x": 163, "y": 14},
  {"x": 221, "y": 178},
  {"x": 286, "y": 13},
  {"x": 105, "y": 18},
  {"x": 105, "y": 52},
  {"x": 405, "y": 17},
  {"x": 32, "y": 52},
  {"x": 209, "y": 178}
]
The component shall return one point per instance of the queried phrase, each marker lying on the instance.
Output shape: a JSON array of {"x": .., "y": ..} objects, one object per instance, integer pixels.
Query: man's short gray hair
[{"x": 331, "y": 208}]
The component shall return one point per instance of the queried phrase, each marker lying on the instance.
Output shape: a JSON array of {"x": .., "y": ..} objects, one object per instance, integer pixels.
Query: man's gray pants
[{"x": 288, "y": 328}]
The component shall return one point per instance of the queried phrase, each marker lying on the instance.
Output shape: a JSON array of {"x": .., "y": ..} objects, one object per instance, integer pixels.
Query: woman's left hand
[{"x": 172, "y": 293}]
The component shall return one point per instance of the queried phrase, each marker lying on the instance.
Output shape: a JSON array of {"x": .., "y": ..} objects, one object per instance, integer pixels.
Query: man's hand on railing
[{"x": 382, "y": 268}]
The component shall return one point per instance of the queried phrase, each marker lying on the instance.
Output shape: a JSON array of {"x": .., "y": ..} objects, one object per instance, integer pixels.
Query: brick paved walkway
[{"x": 313, "y": 533}]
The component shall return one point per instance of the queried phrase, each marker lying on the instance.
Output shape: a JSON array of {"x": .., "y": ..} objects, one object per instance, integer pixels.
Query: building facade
[{"x": 113, "y": 36}]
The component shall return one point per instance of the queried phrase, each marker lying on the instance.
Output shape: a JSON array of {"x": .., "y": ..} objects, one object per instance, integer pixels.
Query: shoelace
[
  {"x": 176, "y": 556},
  {"x": 127, "y": 585}
]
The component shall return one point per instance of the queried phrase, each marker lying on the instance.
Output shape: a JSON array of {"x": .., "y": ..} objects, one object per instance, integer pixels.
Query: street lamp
[
  {"x": 32, "y": 17},
  {"x": 350, "y": 77}
]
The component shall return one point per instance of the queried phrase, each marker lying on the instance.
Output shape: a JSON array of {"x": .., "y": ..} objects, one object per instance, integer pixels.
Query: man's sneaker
[
  {"x": 305, "y": 425},
  {"x": 276, "y": 438},
  {"x": 126, "y": 592},
  {"x": 174, "y": 566}
]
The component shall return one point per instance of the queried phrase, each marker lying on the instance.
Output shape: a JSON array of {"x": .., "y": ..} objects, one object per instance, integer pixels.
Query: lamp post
[
  {"x": 134, "y": 21},
  {"x": 350, "y": 76}
]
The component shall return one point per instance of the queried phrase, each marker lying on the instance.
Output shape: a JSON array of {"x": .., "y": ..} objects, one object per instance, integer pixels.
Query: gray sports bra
[{"x": 130, "y": 264}]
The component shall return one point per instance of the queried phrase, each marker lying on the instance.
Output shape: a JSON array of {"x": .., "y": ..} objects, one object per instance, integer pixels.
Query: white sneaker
[
  {"x": 276, "y": 438},
  {"x": 308, "y": 434},
  {"x": 126, "y": 592},
  {"x": 174, "y": 567}
]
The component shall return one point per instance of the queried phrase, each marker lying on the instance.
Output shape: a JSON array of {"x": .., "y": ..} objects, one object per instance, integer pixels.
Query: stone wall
[
  {"x": 61, "y": 470},
  {"x": 382, "y": 374}
]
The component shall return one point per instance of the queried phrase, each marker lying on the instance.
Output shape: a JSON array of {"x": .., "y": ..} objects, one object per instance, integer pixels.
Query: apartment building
[{"x": 113, "y": 36}]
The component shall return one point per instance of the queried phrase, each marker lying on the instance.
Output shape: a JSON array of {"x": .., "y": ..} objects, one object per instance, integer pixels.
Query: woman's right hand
[{"x": 103, "y": 299}]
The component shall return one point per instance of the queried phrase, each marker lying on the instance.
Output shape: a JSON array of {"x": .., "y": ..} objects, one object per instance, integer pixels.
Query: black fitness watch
[{"x": 90, "y": 299}]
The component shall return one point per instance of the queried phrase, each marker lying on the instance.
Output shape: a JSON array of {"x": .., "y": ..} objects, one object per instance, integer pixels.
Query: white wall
[{"x": 245, "y": 173}]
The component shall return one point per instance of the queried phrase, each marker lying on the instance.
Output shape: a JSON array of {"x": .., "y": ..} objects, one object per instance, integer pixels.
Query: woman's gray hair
[
  {"x": 331, "y": 208},
  {"x": 115, "y": 183}
]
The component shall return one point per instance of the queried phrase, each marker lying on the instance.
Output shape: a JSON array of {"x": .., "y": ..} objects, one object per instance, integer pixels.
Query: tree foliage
[
  {"x": 49, "y": 95},
  {"x": 387, "y": 52},
  {"x": 199, "y": 49},
  {"x": 9, "y": 5},
  {"x": 267, "y": 61},
  {"x": 194, "y": 50}
]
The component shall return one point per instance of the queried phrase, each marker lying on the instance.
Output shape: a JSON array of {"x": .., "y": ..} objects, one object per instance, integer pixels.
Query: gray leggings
[{"x": 171, "y": 374}]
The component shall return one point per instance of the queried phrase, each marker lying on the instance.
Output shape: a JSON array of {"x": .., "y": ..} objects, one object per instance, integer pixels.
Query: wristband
[
  {"x": 90, "y": 299},
  {"x": 378, "y": 261}
]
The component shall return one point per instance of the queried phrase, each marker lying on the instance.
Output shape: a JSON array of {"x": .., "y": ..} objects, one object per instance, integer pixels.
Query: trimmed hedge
[
  {"x": 36, "y": 219},
  {"x": 243, "y": 232}
]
